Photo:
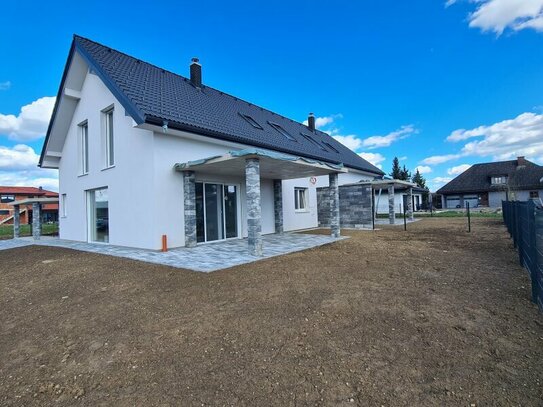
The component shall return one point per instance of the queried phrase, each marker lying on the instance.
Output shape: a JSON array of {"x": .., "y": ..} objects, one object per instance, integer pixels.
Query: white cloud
[
  {"x": 459, "y": 169},
  {"x": 5, "y": 85},
  {"x": 402, "y": 158},
  {"x": 351, "y": 141},
  {"x": 498, "y": 15},
  {"x": 439, "y": 181},
  {"x": 31, "y": 123},
  {"x": 521, "y": 136},
  {"x": 34, "y": 178},
  {"x": 374, "y": 158},
  {"x": 385, "y": 141},
  {"x": 19, "y": 157},
  {"x": 423, "y": 169},
  {"x": 440, "y": 159}
]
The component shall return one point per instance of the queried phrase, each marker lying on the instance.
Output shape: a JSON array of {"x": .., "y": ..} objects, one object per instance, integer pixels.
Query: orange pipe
[{"x": 164, "y": 243}]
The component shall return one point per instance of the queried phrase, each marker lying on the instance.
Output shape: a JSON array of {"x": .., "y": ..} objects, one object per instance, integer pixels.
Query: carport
[
  {"x": 390, "y": 185},
  {"x": 36, "y": 204}
]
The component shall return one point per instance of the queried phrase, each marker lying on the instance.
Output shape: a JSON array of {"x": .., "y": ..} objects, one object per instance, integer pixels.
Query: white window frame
[
  {"x": 84, "y": 148},
  {"x": 109, "y": 137},
  {"x": 498, "y": 180},
  {"x": 64, "y": 212},
  {"x": 301, "y": 199}
]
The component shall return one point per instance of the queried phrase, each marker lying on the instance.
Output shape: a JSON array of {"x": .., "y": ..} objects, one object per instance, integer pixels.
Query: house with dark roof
[
  {"x": 488, "y": 184},
  {"x": 146, "y": 156},
  {"x": 10, "y": 194}
]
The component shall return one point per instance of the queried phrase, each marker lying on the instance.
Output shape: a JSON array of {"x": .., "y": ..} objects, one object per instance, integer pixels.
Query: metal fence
[{"x": 524, "y": 221}]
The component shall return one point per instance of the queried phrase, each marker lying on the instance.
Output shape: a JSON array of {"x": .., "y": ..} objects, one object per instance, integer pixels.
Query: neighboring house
[
  {"x": 144, "y": 153},
  {"x": 489, "y": 184},
  {"x": 400, "y": 196},
  {"x": 11, "y": 194}
]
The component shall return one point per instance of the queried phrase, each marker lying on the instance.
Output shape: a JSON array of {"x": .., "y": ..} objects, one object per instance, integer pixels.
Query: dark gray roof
[
  {"x": 477, "y": 178},
  {"x": 154, "y": 95}
]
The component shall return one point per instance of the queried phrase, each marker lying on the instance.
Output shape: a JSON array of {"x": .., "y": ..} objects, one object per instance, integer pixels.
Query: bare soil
[{"x": 431, "y": 316}]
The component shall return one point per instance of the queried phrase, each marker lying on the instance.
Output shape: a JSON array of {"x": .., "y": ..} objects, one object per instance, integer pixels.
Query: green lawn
[
  {"x": 447, "y": 214},
  {"x": 6, "y": 231}
]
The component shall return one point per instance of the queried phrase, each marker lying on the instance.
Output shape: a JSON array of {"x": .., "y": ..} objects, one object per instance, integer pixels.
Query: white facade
[
  {"x": 381, "y": 201},
  {"x": 145, "y": 193}
]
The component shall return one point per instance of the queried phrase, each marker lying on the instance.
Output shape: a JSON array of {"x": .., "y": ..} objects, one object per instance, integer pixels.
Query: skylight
[
  {"x": 331, "y": 146},
  {"x": 282, "y": 131},
  {"x": 251, "y": 121},
  {"x": 313, "y": 141}
]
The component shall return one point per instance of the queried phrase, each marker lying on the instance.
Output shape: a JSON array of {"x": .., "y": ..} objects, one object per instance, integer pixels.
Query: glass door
[
  {"x": 216, "y": 211},
  {"x": 98, "y": 215}
]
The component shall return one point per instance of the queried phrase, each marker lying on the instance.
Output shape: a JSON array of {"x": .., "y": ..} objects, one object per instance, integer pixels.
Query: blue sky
[{"x": 441, "y": 85}]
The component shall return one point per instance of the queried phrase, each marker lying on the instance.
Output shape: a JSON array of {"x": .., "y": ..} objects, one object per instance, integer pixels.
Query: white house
[
  {"x": 400, "y": 196},
  {"x": 145, "y": 155}
]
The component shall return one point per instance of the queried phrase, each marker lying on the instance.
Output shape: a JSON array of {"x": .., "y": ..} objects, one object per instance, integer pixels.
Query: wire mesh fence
[{"x": 524, "y": 221}]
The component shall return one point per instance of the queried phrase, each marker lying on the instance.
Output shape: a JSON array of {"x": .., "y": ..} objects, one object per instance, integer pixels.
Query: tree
[
  {"x": 396, "y": 170},
  {"x": 405, "y": 174},
  {"x": 419, "y": 179}
]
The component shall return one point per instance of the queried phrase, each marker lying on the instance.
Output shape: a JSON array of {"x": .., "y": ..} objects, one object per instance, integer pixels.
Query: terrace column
[
  {"x": 391, "y": 209},
  {"x": 16, "y": 221},
  {"x": 409, "y": 209},
  {"x": 334, "y": 205},
  {"x": 254, "y": 209},
  {"x": 189, "y": 203},
  {"x": 36, "y": 221},
  {"x": 278, "y": 205}
]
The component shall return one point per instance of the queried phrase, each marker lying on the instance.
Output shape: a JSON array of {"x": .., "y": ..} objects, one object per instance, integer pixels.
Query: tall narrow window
[
  {"x": 84, "y": 140},
  {"x": 63, "y": 205},
  {"x": 109, "y": 139}
]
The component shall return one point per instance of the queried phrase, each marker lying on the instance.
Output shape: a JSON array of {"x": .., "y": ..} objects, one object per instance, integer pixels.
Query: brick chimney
[
  {"x": 311, "y": 122},
  {"x": 196, "y": 72},
  {"x": 521, "y": 161}
]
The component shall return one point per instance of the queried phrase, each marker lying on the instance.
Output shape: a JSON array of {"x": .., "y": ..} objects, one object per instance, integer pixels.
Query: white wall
[
  {"x": 382, "y": 202},
  {"x": 495, "y": 199}
]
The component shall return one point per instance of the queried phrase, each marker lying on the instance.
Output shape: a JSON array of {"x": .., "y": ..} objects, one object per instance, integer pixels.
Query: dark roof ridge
[{"x": 76, "y": 36}]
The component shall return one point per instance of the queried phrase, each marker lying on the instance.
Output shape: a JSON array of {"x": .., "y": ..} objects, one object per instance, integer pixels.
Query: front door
[{"x": 216, "y": 211}]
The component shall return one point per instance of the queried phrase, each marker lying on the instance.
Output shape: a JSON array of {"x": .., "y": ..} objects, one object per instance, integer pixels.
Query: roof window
[
  {"x": 330, "y": 146},
  {"x": 282, "y": 131},
  {"x": 313, "y": 141},
  {"x": 251, "y": 121}
]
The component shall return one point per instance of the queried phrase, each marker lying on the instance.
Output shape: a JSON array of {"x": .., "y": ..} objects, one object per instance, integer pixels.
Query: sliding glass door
[{"x": 216, "y": 211}]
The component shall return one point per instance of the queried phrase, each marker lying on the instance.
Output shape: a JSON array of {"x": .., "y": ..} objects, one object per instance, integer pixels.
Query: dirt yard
[{"x": 432, "y": 316}]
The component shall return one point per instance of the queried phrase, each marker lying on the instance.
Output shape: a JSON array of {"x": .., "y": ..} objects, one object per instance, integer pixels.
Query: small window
[
  {"x": 7, "y": 198},
  {"x": 63, "y": 205},
  {"x": 300, "y": 199},
  {"x": 84, "y": 143},
  {"x": 313, "y": 141},
  {"x": 534, "y": 194},
  {"x": 4, "y": 212},
  {"x": 330, "y": 146},
  {"x": 498, "y": 180},
  {"x": 251, "y": 121},
  {"x": 282, "y": 131},
  {"x": 109, "y": 140}
]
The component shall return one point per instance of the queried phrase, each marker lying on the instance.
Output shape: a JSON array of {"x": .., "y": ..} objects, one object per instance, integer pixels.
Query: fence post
[
  {"x": 404, "y": 220},
  {"x": 533, "y": 250},
  {"x": 469, "y": 217}
]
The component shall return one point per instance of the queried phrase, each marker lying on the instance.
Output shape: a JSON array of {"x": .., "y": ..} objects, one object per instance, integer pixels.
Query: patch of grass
[
  {"x": 6, "y": 231},
  {"x": 458, "y": 214}
]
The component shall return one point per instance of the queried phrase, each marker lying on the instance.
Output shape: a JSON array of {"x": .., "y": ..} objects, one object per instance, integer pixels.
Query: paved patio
[{"x": 204, "y": 257}]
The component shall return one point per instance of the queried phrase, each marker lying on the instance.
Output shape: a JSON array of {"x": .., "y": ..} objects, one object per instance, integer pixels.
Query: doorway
[
  {"x": 216, "y": 211},
  {"x": 98, "y": 217}
]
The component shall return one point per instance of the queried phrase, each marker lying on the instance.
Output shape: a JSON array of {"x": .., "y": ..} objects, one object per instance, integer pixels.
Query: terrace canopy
[
  {"x": 36, "y": 214},
  {"x": 390, "y": 185},
  {"x": 254, "y": 164}
]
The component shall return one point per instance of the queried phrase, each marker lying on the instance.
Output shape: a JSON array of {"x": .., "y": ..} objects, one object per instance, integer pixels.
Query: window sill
[
  {"x": 83, "y": 175},
  {"x": 301, "y": 210},
  {"x": 108, "y": 168}
]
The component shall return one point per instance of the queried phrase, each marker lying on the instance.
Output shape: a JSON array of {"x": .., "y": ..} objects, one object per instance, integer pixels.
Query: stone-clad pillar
[
  {"x": 334, "y": 205},
  {"x": 391, "y": 209},
  {"x": 16, "y": 221},
  {"x": 254, "y": 210},
  {"x": 36, "y": 221},
  {"x": 409, "y": 208},
  {"x": 189, "y": 201},
  {"x": 278, "y": 205}
]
